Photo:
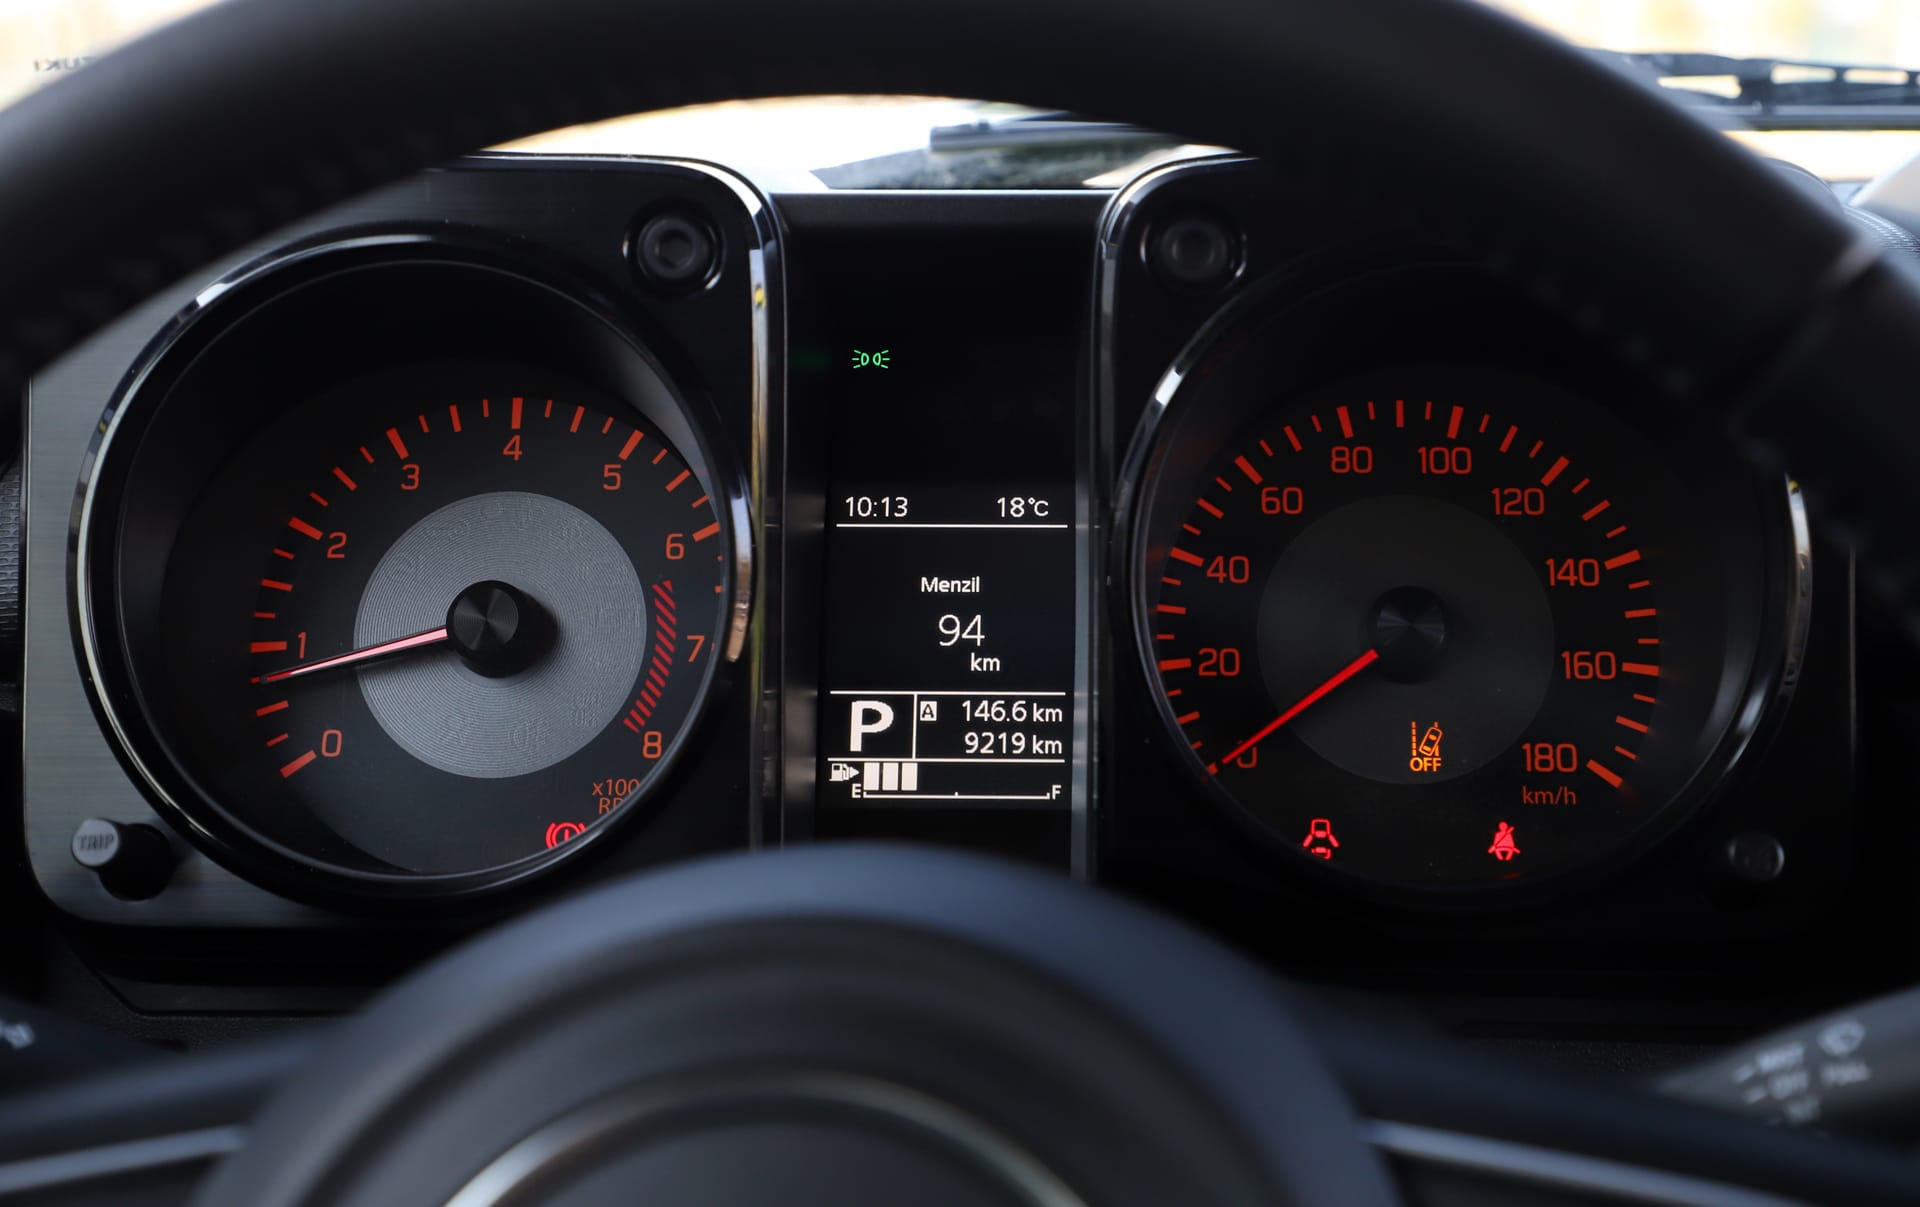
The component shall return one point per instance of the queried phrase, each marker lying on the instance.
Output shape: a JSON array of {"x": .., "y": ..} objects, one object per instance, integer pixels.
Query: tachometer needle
[
  {"x": 1307, "y": 701},
  {"x": 384, "y": 649}
]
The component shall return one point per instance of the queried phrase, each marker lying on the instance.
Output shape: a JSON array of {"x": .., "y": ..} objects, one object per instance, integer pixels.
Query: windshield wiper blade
[{"x": 1776, "y": 93}]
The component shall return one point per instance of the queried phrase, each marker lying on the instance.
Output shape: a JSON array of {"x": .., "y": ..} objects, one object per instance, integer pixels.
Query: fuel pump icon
[{"x": 1320, "y": 840}]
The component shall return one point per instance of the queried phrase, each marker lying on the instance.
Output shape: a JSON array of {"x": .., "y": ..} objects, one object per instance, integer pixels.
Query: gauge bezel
[
  {"x": 569, "y": 307},
  {"x": 1745, "y": 715}
]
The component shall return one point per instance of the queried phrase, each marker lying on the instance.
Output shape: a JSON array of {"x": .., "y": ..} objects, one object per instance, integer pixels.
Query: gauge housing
[{"x": 230, "y": 367}]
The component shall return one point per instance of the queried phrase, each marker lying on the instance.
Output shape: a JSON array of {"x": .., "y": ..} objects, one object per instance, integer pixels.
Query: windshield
[{"x": 859, "y": 143}]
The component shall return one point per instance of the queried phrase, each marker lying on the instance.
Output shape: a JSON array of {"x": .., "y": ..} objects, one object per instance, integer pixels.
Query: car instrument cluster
[{"x": 540, "y": 520}]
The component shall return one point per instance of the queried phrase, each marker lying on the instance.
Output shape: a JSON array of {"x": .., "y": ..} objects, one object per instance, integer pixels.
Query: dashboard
[{"x": 1257, "y": 554}]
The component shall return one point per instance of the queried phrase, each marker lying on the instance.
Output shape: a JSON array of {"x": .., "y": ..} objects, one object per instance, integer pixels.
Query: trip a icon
[{"x": 1320, "y": 840}]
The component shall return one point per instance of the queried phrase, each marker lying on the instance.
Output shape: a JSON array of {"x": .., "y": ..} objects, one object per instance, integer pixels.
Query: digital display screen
[{"x": 953, "y": 644}]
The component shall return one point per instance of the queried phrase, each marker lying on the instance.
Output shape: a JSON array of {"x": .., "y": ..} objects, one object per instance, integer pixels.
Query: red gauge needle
[
  {"x": 1307, "y": 701},
  {"x": 384, "y": 649}
]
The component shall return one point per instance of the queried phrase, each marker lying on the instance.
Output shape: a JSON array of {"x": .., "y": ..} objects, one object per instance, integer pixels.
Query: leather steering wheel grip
[
  {"x": 1676, "y": 248},
  {"x": 823, "y": 1025}
]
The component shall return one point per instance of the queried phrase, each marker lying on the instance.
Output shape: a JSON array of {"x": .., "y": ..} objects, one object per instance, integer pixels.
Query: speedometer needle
[
  {"x": 1307, "y": 701},
  {"x": 384, "y": 649}
]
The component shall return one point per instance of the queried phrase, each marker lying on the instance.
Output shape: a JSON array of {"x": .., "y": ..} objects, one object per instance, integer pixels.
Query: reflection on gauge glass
[
  {"x": 1439, "y": 626},
  {"x": 437, "y": 620}
]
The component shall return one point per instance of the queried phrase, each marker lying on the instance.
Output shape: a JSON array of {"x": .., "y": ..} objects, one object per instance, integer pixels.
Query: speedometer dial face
[{"x": 1436, "y": 627}]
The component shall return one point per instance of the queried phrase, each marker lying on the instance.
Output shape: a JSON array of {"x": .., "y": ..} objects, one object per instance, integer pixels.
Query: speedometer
[{"x": 1437, "y": 625}]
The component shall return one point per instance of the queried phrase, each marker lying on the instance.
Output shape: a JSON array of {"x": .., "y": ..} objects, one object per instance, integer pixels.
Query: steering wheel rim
[{"x": 258, "y": 111}]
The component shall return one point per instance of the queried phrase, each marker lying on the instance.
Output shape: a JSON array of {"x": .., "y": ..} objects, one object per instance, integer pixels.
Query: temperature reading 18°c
[{"x": 1019, "y": 507}]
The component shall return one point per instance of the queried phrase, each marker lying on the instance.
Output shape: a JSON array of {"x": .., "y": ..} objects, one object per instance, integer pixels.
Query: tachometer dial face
[
  {"x": 1436, "y": 626},
  {"x": 413, "y": 615}
]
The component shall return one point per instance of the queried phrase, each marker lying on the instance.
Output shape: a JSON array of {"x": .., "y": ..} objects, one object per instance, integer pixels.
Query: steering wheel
[{"x": 835, "y": 1025}]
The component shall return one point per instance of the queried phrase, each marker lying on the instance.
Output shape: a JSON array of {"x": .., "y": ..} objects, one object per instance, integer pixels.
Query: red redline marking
[
  {"x": 345, "y": 481},
  {"x": 1175, "y": 694},
  {"x": 1604, "y": 773},
  {"x": 1625, "y": 559},
  {"x": 655, "y": 681},
  {"x": 1535, "y": 450},
  {"x": 1210, "y": 509},
  {"x": 1641, "y": 613},
  {"x": 628, "y": 722},
  {"x": 1370, "y": 415},
  {"x": 1266, "y": 448},
  {"x": 1429, "y": 413},
  {"x": 578, "y": 413},
  {"x": 1453, "y": 422},
  {"x": 1484, "y": 421},
  {"x": 1163, "y": 636},
  {"x": 1623, "y": 752},
  {"x": 266, "y": 647},
  {"x": 453, "y": 413},
  {"x": 514, "y": 423},
  {"x": 1645, "y": 582},
  {"x": 1616, "y": 532},
  {"x": 708, "y": 531},
  {"x": 678, "y": 478},
  {"x": 283, "y": 553},
  {"x": 269, "y": 709},
  {"x": 1246, "y": 467},
  {"x": 1291, "y": 438},
  {"x": 303, "y": 528},
  {"x": 287, "y": 771},
  {"x": 1316, "y": 423},
  {"x": 266, "y": 615},
  {"x": 659, "y": 457},
  {"x": 366, "y": 454},
  {"x": 548, "y": 412},
  {"x": 633, "y": 442},
  {"x": 1649, "y": 641},
  {"x": 697, "y": 503},
  {"x": 1171, "y": 609},
  {"x": 1596, "y": 509},
  {"x": 1399, "y": 412},
  {"x": 274, "y": 584},
  {"x": 399, "y": 445},
  {"x": 423, "y": 423},
  {"x": 1181, "y": 555},
  {"x": 1508, "y": 442},
  {"x": 1630, "y": 723},
  {"x": 276, "y": 740},
  {"x": 1581, "y": 485},
  {"x": 1189, "y": 718},
  {"x": 1224, "y": 484},
  {"x": 1346, "y": 421},
  {"x": 1553, "y": 471},
  {"x": 317, "y": 497},
  {"x": 1640, "y": 668},
  {"x": 1190, "y": 529},
  {"x": 1175, "y": 664},
  {"x": 1171, "y": 582},
  {"x": 486, "y": 408},
  {"x": 607, "y": 426},
  {"x": 1643, "y": 698}
]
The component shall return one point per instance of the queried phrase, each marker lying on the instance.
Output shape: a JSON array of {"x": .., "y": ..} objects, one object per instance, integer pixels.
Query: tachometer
[
  {"x": 427, "y": 624},
  {"x": 1439, "y": 625}
]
